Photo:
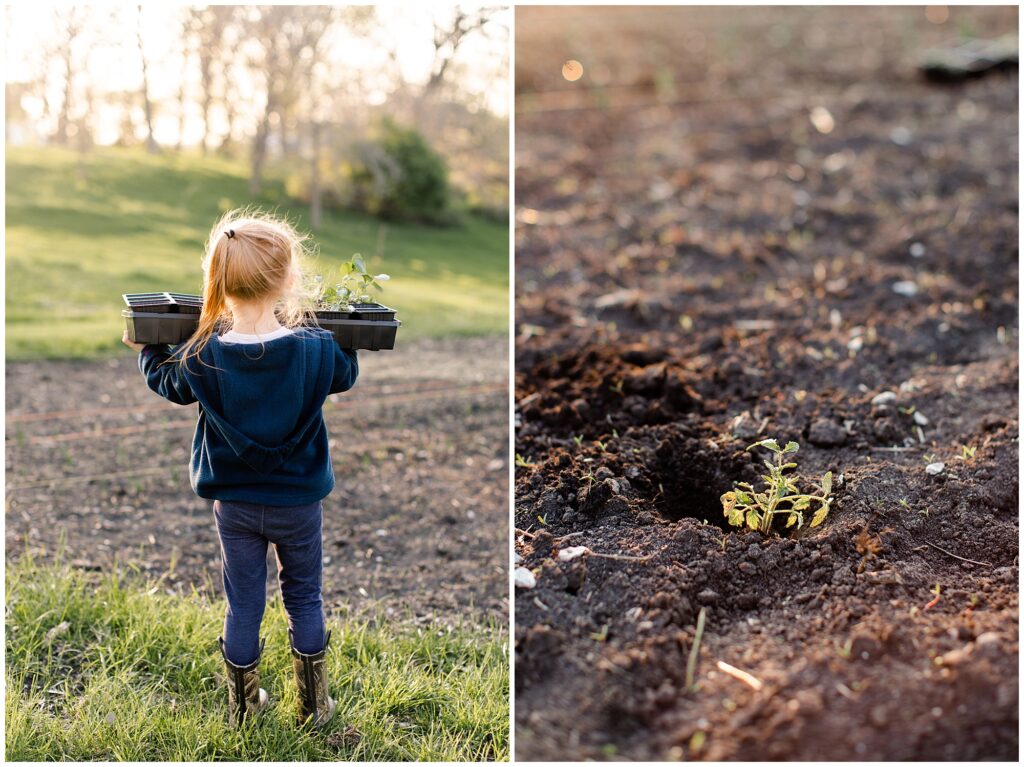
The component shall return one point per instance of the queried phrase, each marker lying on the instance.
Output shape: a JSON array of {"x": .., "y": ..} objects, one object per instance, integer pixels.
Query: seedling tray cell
[{"x": 164, "y": 303}]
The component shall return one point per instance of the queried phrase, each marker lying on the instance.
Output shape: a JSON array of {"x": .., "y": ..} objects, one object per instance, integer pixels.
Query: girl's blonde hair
[{"x": 251, "y": 255}]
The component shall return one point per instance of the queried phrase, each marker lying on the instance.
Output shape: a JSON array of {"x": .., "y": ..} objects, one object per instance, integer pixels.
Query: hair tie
[{"x": 230, "y": 233}]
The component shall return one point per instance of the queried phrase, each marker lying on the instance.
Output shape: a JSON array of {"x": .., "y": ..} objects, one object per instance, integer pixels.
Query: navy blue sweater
[{"x": 260, "y": 437}]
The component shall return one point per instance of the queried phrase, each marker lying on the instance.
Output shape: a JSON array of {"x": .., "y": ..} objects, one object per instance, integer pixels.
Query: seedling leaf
[{"x": 782, "y": 495}]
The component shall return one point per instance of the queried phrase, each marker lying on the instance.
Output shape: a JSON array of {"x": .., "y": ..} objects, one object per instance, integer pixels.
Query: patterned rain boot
[
  {"x": 311, "y": 678},
  {"x": 245, "y": 696}
]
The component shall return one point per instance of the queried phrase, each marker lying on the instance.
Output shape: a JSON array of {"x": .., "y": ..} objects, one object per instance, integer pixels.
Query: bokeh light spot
[
  {"x": 936, "y": 14},
  {"x": 572, "y": 70},
  {"x": 822, "y": 120}
]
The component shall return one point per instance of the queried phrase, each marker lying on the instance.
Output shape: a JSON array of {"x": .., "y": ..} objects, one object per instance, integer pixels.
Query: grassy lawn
[
  {"x": 125, "y": 221},
  {"x": 106, "y": 667}
]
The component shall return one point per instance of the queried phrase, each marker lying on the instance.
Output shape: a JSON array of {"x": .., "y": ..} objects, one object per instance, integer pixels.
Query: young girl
[{"x": 260, "y": 446}]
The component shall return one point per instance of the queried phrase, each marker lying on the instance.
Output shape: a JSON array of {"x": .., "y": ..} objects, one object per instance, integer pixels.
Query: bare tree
[
  {"x": 70, "y": 23},
  {"x": 448, "y": 37},
  {"x": 146, "y": 102},
  {"x": 290, "y": 37},
  {"x": 205, "y": 30}
]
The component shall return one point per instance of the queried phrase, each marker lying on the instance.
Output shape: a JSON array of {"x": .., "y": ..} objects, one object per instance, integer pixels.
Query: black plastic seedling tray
[
  {"x": 171, "y": 318},
  {"x": 361, "y": 334},
  {"x": 159, "y": 327}
]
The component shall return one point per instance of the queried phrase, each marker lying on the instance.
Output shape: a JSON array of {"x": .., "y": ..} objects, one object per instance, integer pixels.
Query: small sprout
[
  {"x": 757, "y": 509},
  {"x": 618, "y": 387},
  {"x": 903, "y": 502},
  {"x": 578, "y": 439},
  {"x": 697, "y": 741},
  {"x": 602, "y": 446},
  {"x": 602, "y": 635},
  {"x": 937, "y": 591},
  {"x": 543, "y": 522},
  {"x": 846, "y": 651},
  {"x": 522, "y": 462},
  {"x": 615, "y": 433},
  {"x": 967, "y": 453},
  {"x": 691, "y": 661}
]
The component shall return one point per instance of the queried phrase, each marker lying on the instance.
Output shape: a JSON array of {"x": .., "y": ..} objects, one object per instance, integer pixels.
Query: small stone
[
  {"x": 746, "y": 601},
  {"x": 708, "y": 597},
  {"x": 935, "y": 468},
  {"x": 885, "y": 398},
  {"x": 917, "y": 249},
  {"x": 901, "y": 136},
  {"x": 906, "y": 288},
  {"x": 864, "y": 647},
  {"x": 571, "y": 553},
  {"x": 920, "y": 418},
  {"x": 987, "y": 645},
  {"x": 524, "y": 579},
  {"x": 747, "y": 568},
  {"x": 825, "y": 432},
  {"x": 954, "y": 657},
  {"x": 744, "y": 427}
]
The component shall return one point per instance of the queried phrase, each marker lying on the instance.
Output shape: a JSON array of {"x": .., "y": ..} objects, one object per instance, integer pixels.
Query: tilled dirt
[
  {"x": 415, "y": 529},
  {"x": 704, "y": 259}
]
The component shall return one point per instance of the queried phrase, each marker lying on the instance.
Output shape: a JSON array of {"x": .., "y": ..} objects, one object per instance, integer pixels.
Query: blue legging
[{"x": 245, "y": 529}]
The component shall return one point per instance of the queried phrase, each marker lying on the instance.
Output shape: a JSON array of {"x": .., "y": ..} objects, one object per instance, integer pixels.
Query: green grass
[
  {"x": 136, "y": 676},
  {"x": 78, "y": 236}
]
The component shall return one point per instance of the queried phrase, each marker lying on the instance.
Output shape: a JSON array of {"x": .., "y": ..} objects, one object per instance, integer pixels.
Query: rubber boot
[
  {"x": 311, "y": 677},
  {"x": 245, "y": 696}
]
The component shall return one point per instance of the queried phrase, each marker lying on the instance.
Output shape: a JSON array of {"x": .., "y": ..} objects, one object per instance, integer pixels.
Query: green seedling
[
  {"x": 846, "y": 650},
  {"x": 618, "y": 388},
  {"x": 522, "y": 462},
  {"x": 543, "y": 522},
  {"x": 353, "y": 286},
  {"x": 602, "y": 446},
  {"x": 967, "y": 453},
  {"x": 781, "y": 496},
  {"x": 578, "y": 439}
]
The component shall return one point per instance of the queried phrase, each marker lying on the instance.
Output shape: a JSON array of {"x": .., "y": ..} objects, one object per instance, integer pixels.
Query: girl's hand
[{"x": 130, "y": 345}]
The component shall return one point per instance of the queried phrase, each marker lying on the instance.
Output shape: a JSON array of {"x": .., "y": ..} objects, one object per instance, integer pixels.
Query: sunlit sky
[{"x": 113, "y": 64}]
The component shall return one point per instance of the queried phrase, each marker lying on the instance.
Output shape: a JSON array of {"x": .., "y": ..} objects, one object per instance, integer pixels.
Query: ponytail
[{"x": 249, "y": 255}]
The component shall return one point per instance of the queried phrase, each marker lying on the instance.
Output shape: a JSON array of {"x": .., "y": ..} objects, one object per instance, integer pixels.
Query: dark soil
[
  {"x": 700, "y": 267},
  {"x": 417, "y": 525}
]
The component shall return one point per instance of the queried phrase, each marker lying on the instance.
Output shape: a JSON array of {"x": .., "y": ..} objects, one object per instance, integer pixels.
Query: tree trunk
[
  {"x": 181, "y": 114},
  {"x": 64, "y": 118},
  {"x": 259, "y": 155},
  {"x": 147, "y": 104},
  {"x": 315, "y": 191}
]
